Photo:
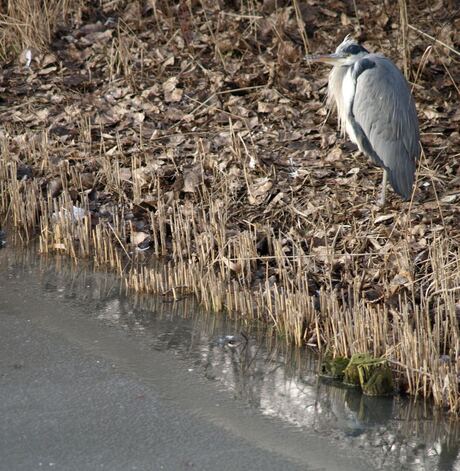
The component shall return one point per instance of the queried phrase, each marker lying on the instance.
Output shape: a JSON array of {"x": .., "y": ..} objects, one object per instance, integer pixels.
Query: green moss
[
  {"x": 351, "y": 373},
  {"x": 334, "y": 367},
  {"x": 373, "y": 375},
  {"x": 376, "y": 378}
]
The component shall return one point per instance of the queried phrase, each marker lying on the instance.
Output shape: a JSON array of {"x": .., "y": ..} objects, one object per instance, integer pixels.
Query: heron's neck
[{"x": 336, "y": 78}]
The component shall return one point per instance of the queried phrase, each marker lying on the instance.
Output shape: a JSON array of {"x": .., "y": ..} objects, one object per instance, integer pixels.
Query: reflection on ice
[{"x": 394, "y": 433}]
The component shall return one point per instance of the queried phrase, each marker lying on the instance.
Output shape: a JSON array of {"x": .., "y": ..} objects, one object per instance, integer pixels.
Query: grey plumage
[{"x": 376, "y": 108}]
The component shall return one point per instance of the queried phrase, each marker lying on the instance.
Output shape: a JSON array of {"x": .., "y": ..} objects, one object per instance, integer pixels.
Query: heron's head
[{"x": 348, "y": 52}]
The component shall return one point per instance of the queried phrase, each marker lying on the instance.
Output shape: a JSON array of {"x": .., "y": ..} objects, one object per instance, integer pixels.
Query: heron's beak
[{"x": 332, "y": 59}]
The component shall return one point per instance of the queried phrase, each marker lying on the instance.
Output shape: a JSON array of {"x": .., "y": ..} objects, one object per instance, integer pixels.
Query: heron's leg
[{"x": 381, "y": 201}]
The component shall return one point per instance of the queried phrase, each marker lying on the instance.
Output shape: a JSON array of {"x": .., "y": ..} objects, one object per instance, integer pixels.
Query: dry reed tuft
[{"x": 419, "y": 335}]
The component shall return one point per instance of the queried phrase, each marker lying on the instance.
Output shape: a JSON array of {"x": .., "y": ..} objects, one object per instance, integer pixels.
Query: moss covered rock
[
  {"x": 334, "y": 367},
  {"x": 351, "y": 373},
  {"x": 372, "y": 375},
  {"x": 376, "y": 378}
]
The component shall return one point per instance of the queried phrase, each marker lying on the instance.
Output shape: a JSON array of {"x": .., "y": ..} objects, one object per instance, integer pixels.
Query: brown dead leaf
[
  {"x": 193, "y": 176},
  {"x": 170, "y": 90},
  {"x": 55, "y": 187},
  {"x": 138, "y": 237},
  {"x": 97, "y": 37},
  {"x": 400, "y": 280},
  {"x": 87, "y": 180},
  {"x": 384, "y": 218},
  {"x": 334, "y": 155},
  {"x": 431, "y": 113},
  {"x": 236, "y": 267},
  {"x": 47, "y": 70},
  {"x": 448, "y": 199},
  {"x": 125, "y": 174},
  {"x": 141, "y": 177},
  {"x": 345, "y": 19},
  {"x": 265, "y": 107},
  {"x": 258, "y": 190}
]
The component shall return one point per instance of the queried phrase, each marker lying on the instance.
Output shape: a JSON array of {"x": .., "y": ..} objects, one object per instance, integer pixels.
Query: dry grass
[
  {"x": 30, "y": 24},
  {"x": 419, "y": 335},
  {"x": 283, "y": 233}
]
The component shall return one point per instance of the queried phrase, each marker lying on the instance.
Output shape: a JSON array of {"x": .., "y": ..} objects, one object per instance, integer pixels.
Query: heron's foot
[{"x": 381, "y": 200}]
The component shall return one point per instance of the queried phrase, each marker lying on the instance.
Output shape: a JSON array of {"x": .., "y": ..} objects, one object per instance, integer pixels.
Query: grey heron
[{"x": 376, "y": 109}]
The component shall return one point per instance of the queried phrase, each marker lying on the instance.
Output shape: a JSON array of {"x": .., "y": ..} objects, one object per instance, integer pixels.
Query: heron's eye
[{"x": 354, "y": 49}]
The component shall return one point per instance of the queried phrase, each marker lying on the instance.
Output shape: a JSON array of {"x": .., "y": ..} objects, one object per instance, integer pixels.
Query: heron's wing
[{"x": 385, "y": 110}]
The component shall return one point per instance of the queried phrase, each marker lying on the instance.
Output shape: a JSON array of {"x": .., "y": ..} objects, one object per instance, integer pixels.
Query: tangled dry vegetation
[{"x": 194, "y": 130}]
